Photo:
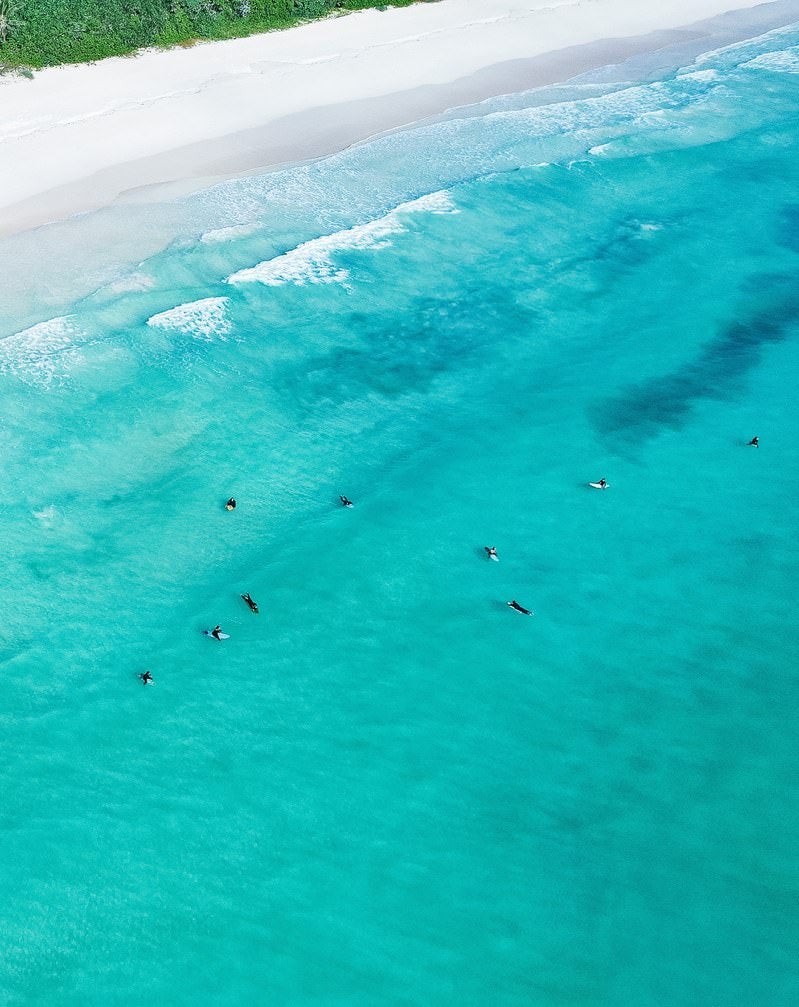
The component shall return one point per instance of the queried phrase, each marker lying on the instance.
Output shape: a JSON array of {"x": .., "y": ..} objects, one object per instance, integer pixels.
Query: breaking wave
[{"x": 313, "y": 261}]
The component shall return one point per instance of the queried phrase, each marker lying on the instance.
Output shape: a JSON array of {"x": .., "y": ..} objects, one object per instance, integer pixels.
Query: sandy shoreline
[{"x": 78, "y": 138}]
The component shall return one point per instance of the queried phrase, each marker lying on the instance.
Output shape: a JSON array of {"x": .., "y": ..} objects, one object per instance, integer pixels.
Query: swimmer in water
[
  {"x": 215, "y": 632},
  {"x": 252, "y": 604},
  {"x": 345, "y": 501},
  {"x": 519, "y": 608},
  {"x": 231, "y": 504},
  {"x": 754, "y": 443},
  {"x": 491, "y": 552},
  {"x": 146, "y": 678}
]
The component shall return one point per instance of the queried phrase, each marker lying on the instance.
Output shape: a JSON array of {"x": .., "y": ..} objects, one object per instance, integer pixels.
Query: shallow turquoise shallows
[{"x": 388, "y": 788}]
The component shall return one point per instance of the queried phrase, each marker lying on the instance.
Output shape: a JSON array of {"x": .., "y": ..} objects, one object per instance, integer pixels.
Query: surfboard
[
  {"x": 493, "y": 555},
  {"x": 221, "y": 636},
  {"x": 599, "y": 486}
]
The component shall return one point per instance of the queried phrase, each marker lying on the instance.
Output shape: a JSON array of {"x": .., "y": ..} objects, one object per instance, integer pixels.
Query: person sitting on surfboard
[
  {"x": 345, "y": 501},
  {"x": 754, "y": 443},
  {"x": 603, "y": 483},
  {"x": 252, "y": 604},
  {"x": 216, "y": 632},
  {"x": 491, "y": 551},
  {"x": 146, "y": 678},
  {"x": 519, "y": 608},
  {"x": 231, "y": 504}
]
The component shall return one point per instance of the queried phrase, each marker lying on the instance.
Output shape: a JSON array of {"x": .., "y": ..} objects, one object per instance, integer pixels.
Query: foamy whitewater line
[
  {"x": 37, "y": 354},
  {"x": 746, "y": 43},
  {"x": 203, "y": 319},
  {"x": 222, "y": 234},
  {"x": 313, "y": 262},
  {"x": 783, "y": 61}
]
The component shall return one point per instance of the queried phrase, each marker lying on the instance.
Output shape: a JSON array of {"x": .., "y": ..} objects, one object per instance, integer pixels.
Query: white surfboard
[
  {"x": 599, "y": 486},
  {"x": 219, "y": 636}
]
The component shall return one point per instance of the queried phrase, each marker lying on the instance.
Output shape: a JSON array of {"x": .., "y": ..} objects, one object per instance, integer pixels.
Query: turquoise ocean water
[{"x": 388, "y": 788}]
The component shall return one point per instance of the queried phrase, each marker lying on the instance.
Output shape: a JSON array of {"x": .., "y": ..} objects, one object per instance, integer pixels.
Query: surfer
[
  {"x": 754, "y": 443},
  {"x": 491, "y": 551},
  {"x": 146, "y": 677},
  {"x": 252, "y": 604},
  {"x": 216, "y": 632},
  {"x": 603, "y": 484},
  {"x": 519, "y": 608},
  {"x": 345, "y": 501},
  {"x": 231, "y": 504}
]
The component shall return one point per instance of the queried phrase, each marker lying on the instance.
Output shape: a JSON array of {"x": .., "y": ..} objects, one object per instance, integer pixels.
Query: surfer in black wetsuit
[
  {"x": 345, "y": 501},
  {"x": 252, "y": 604},
  {"x": 491, "y": 551},
  {"x": 754, "y": 443},
  {"x": 231, "y": 504},
  {"x": 603, "y": 484},
  {"x": 146, "y": 677},
  {"x": 215, "y": 632},
  {"x": 519, "y": 608}
]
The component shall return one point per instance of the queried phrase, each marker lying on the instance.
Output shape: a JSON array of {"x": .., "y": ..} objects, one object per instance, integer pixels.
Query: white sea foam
[
  {"x": 131, "y": 283},
  {"x": 47, "y": 515},
  {"x": 40, "y": 353},
  {"x": 230, "y": 233},
  {"x": 203, "y": 319},
  {"x": 313, "y": 261},
  {"x": 703, "y": 76},
  {"x": 736, "y": 47},
  {"x": 782, "y": 61}
]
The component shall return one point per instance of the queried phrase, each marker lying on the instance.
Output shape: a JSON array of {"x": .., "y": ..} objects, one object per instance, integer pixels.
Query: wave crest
[
  {"x": 313, "y": 262},
  {"x": 230, "y": 233},
  {"x": 203, "y": 319},
  {"x": 42, "y": 351},
  {"x": 780, "y": 61}
]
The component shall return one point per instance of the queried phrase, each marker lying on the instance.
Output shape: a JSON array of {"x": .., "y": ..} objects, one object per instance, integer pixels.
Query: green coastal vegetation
[{"x": 37, "y": 33}]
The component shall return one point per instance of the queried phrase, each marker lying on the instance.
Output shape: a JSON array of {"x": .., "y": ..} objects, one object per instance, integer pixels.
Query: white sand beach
[{"x": 78, "y": 137}]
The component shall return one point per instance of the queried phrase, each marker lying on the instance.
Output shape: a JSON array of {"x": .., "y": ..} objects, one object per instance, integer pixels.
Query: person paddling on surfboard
[
  {"x": 231, "y": 504},
  {"x": 216, "y": 632},
  {"x": 146, "y": 677},
  {"x": 519, "y": 608},
  {"x": 250, "y": 602},
  {"x": 754, "y": 443},
  {"x": 345, "y": 501},
  {"x": 491, "y": 551}
]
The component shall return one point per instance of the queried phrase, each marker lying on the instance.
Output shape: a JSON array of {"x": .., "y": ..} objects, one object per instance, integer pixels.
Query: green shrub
[{"x": 47, "y": 32}]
